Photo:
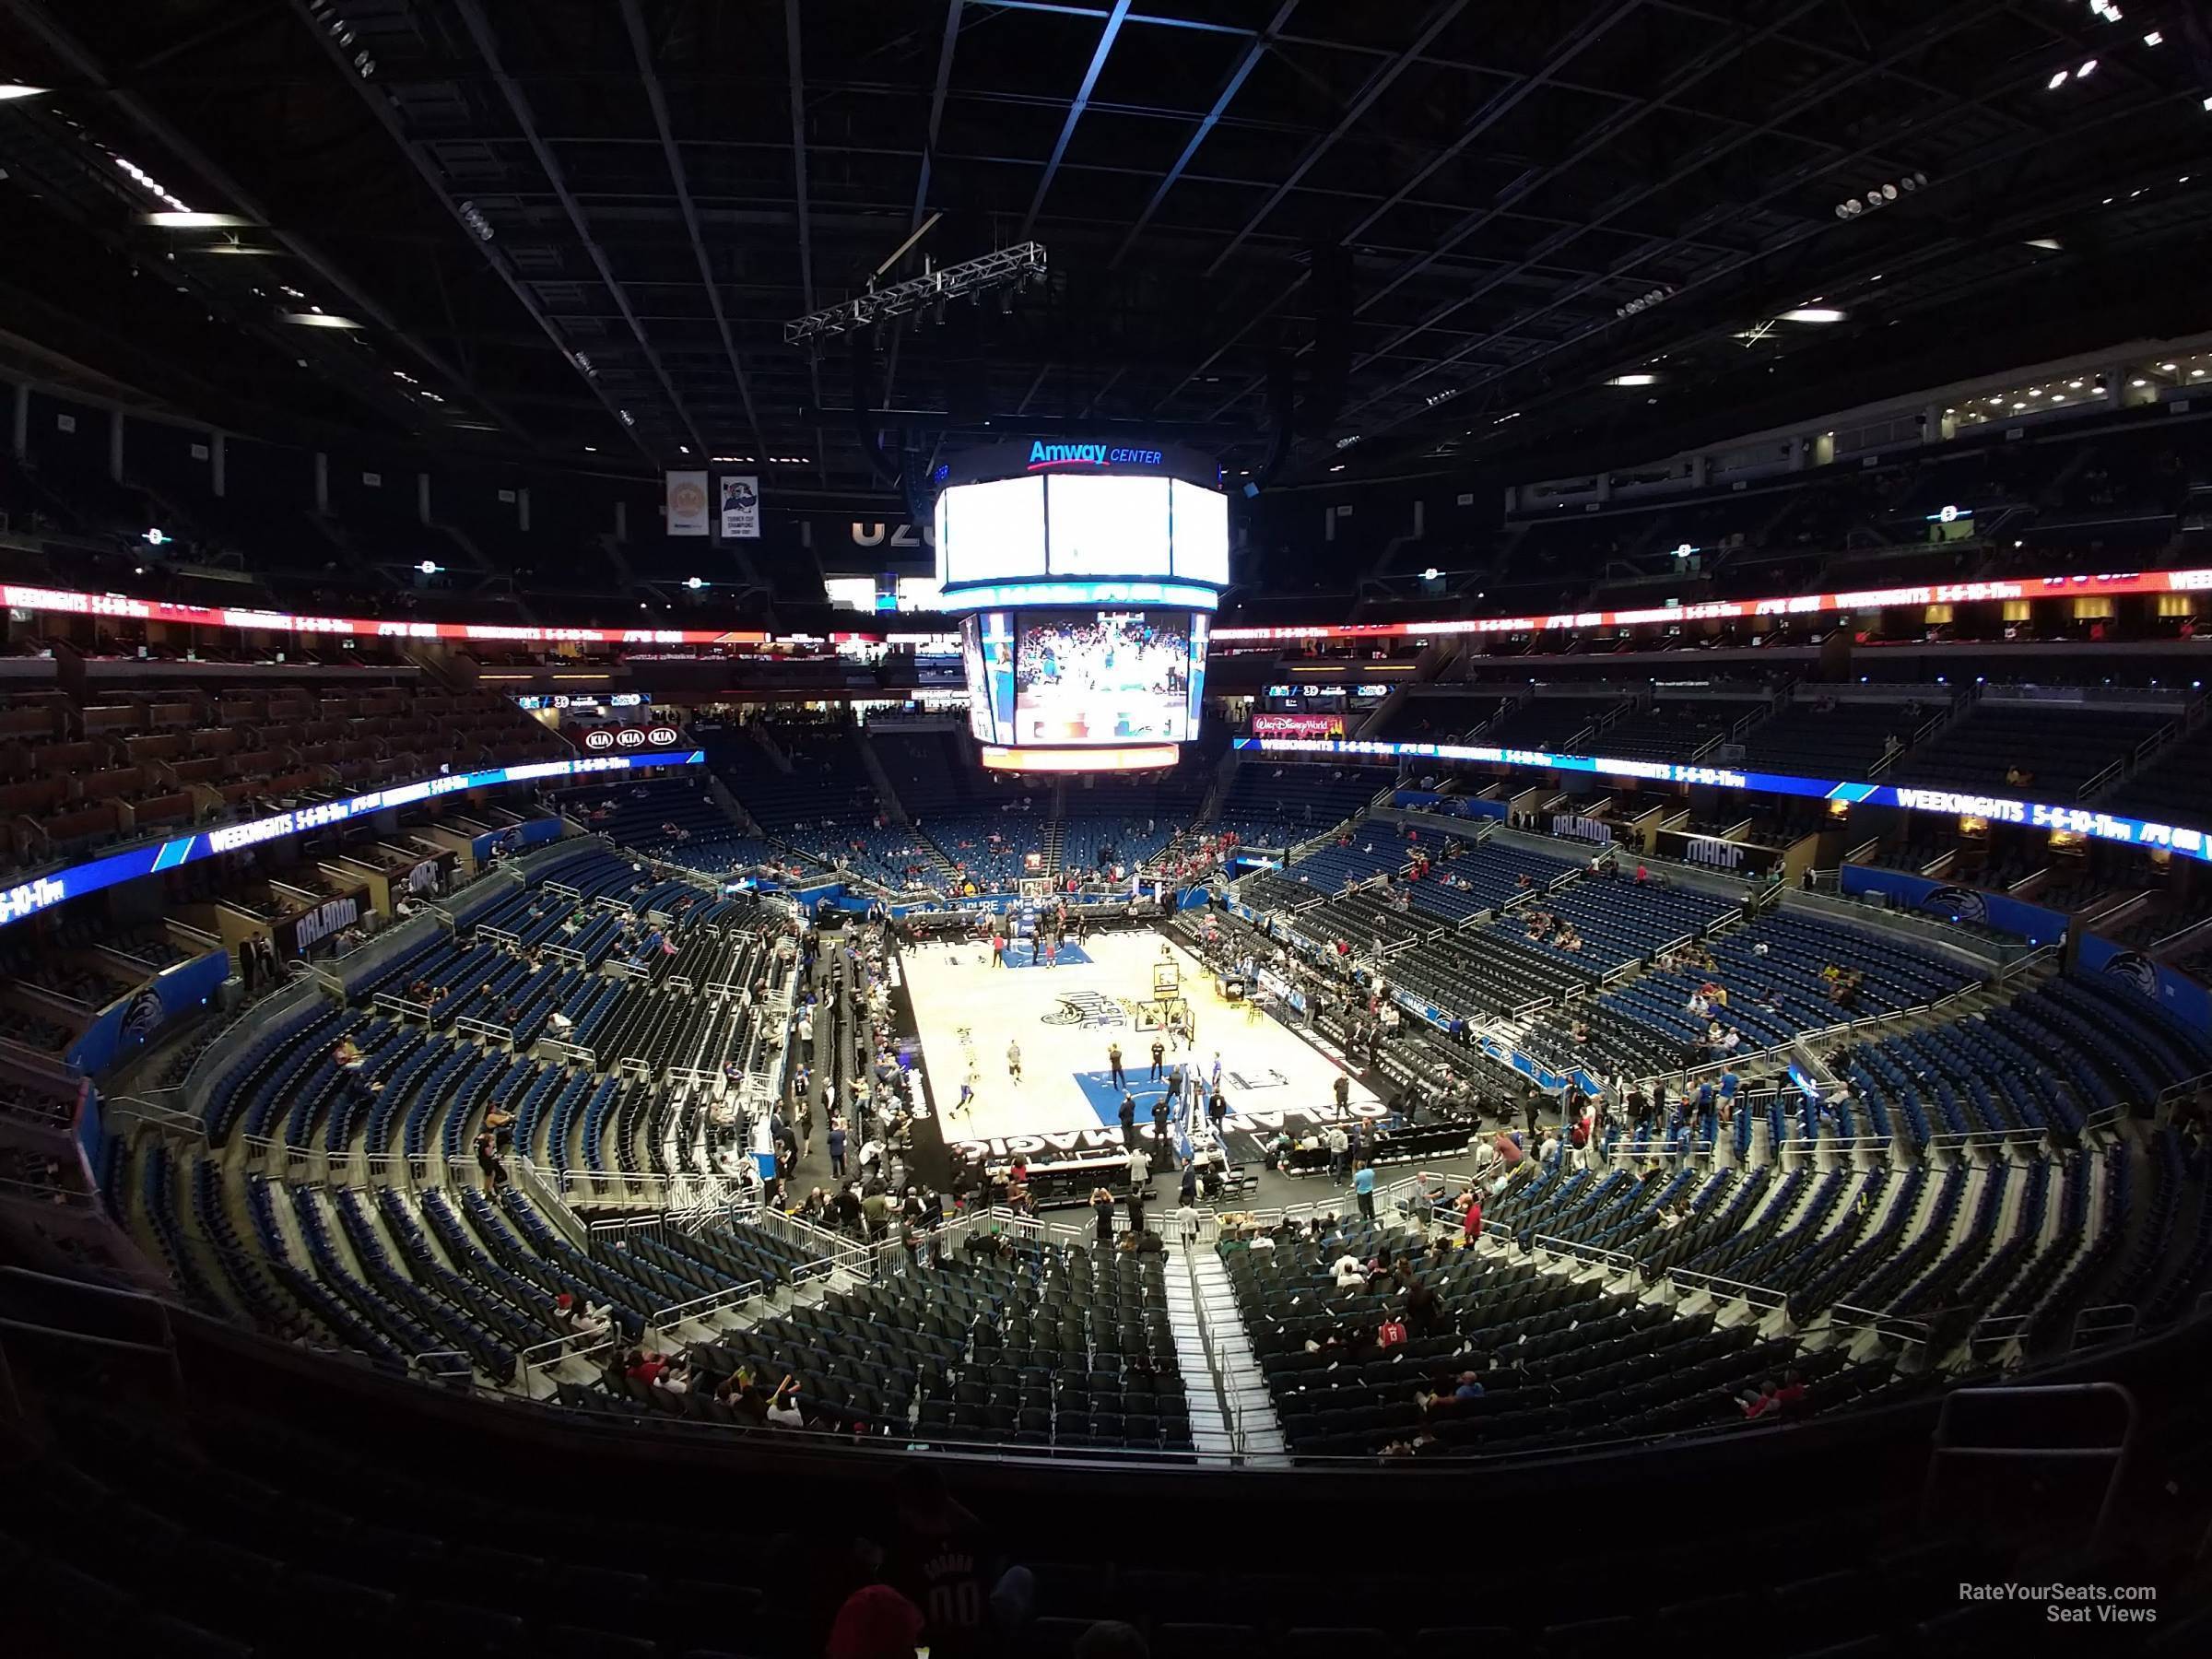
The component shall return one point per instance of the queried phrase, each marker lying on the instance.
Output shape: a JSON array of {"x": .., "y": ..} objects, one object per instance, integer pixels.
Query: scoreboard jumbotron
[{"x": 1086, "y": 576}]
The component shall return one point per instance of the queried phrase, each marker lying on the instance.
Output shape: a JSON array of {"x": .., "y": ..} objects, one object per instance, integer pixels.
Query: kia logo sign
[
  {"x": 630, "y": 737},
  {"x": 599, "y": 738},
  {"x": 661, "y": 736}
]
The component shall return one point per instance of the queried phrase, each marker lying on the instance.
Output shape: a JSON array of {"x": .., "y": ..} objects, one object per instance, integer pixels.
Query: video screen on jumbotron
[
  {"x": 987, "y": 652},
  {"x": 1105, "y": 677}
]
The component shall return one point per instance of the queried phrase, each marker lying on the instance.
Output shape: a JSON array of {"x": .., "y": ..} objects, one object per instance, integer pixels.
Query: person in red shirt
[{"x": 1471, "y": 1228}]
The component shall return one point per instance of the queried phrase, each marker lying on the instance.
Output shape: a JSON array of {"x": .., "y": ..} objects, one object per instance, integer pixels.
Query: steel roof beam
[
  {"x": 1075, "y": 112},
  {"x": 936, "y": 109},
  {"x": 88, "y": 68},
  {"x": 1578, "y": 40},
  {"x": 1254, "y": 52},
  {"x": 2024, "y": 143},
  {"x": 518, "y": 104},
  {"x": 1377, "y": 84},
  {"x": 634, "y": 22}
]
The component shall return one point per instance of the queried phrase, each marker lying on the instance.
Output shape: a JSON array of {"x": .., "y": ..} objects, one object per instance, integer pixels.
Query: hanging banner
[
  {"x": 740, "y": 507},
  {"x": 687, "y": 503}
]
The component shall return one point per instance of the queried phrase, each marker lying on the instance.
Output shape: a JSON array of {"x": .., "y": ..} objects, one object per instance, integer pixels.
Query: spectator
[
  {"x": 487, "y": 1161},
  {"x": 1470, "y": 1226},
  {"x": 1363, "y": 1188},
  {"x": 875, "y": 1622}
]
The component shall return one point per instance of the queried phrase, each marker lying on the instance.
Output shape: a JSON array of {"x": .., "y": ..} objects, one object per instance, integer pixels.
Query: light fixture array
[{"x": 1881, "y": 196}]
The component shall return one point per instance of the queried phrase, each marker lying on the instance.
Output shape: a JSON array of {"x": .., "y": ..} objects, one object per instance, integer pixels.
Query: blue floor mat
[{"x": 1071, "y": 956}]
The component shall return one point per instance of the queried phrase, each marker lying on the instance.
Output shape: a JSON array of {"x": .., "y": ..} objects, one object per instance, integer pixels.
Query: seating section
[
  {"x": 76, "y": 776},
  {"x": 1674, "y": 728},
  {"x": 675, "y": 819},
  {"x": 1773, "y": 973},
  {"x": 1425, "y": 716},
  {"x": 2059, "y": 746},
  {"x": 1557, "y": 1362},
  {"x": 1548, "y": 723},
  {"x": 2173, "y": 786},
  {"x": 1279, "y": 804},
  {"x": 1052, "y": 1347},
  {"x": 1820, "y": 737}
]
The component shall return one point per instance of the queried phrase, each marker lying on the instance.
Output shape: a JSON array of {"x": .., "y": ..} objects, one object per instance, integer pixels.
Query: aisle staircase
[{"x": 1251, "y": 1424}]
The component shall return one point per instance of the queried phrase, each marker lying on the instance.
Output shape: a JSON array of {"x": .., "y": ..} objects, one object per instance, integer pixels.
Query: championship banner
[
  {"x": 740, "y": 507},
  {"x": 687, "y": 503}
]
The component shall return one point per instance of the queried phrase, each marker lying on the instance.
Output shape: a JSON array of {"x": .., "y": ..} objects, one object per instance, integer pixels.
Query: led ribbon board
[
  {"x": 1996, "y": 809},
  {"x": 43, "y": 892},
  {"x": 2116, "y": 585}
]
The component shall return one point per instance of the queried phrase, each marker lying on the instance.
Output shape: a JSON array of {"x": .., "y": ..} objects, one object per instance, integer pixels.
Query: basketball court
[{"x": 1064, "y": 1018}]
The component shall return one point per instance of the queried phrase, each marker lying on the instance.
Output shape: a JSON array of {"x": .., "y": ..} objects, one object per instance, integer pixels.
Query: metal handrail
[
  {"x": 467, "y": 1367},
  {"x": 729, "y": 1296},
  {"x": 1944, "y": 1447}
]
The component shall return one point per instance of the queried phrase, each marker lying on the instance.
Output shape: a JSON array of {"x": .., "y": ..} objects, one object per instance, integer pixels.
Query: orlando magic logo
[
  {"x": 1959, "y": 903},
  {"x": 143, "y": 1015},
  {"x": 2136, "y": 971},
  {"x": 1087, "y": 1008}
]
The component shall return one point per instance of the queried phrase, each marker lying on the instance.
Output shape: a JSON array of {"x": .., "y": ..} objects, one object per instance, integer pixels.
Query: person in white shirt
[
  {"x": 1350, "y": 1271},
  {"x": 1140, "y": 1167},
  {"x": 783, "y": 1410},
  {"x": 560, "y": 1024}
]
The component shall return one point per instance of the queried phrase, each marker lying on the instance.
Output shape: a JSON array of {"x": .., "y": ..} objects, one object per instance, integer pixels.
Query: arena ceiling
[{"x": 1419, "y": 233}]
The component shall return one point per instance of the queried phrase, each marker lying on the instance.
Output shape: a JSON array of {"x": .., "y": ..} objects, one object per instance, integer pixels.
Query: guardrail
[
  {"x": 1913, "y": 1332},
  {"x": 420, "y": 1362},
  {"x": 2107, "y": 1321},
  {"x": 1613, "y": 1261},
  {"x": 1712, "y": 1285},
  {"x": 541, "y": 1357},
  {"x": 698, "y": 1307}
]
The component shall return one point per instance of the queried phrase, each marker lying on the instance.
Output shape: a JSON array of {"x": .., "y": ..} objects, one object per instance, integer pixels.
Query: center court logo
[{"x": 1086, "y": 1008}]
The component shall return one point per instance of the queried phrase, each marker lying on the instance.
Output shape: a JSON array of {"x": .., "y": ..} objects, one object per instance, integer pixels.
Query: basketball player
[{"x": 1013, "y": 1060}]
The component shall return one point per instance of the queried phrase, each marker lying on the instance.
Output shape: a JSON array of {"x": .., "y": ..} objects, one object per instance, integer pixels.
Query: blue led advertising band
[
  {"x": 43, "y": 892},
  {"x": 1996, "y": 809}
]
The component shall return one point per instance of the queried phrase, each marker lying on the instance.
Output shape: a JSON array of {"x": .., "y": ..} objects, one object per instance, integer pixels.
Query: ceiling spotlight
[
  {"x": 695, "y": 582},
  {"x": 2154, "y": 39},
  {"x": 473, "y": 217},
  {"x": 195, "y": 221},
  {"x": 1633, "y": 380},
  {"x": 320, "y": 320},
  {"x": 1814, "y": 314},
  {"x": 2086, "y": 69},
  {"x": 2056, "y": 82},
  {"x": 1889, "y": 193},
  {"x": 10, "y": 91},
  {"x": 428, "y": 568},
  {"x": 2048, "y": 243}
]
